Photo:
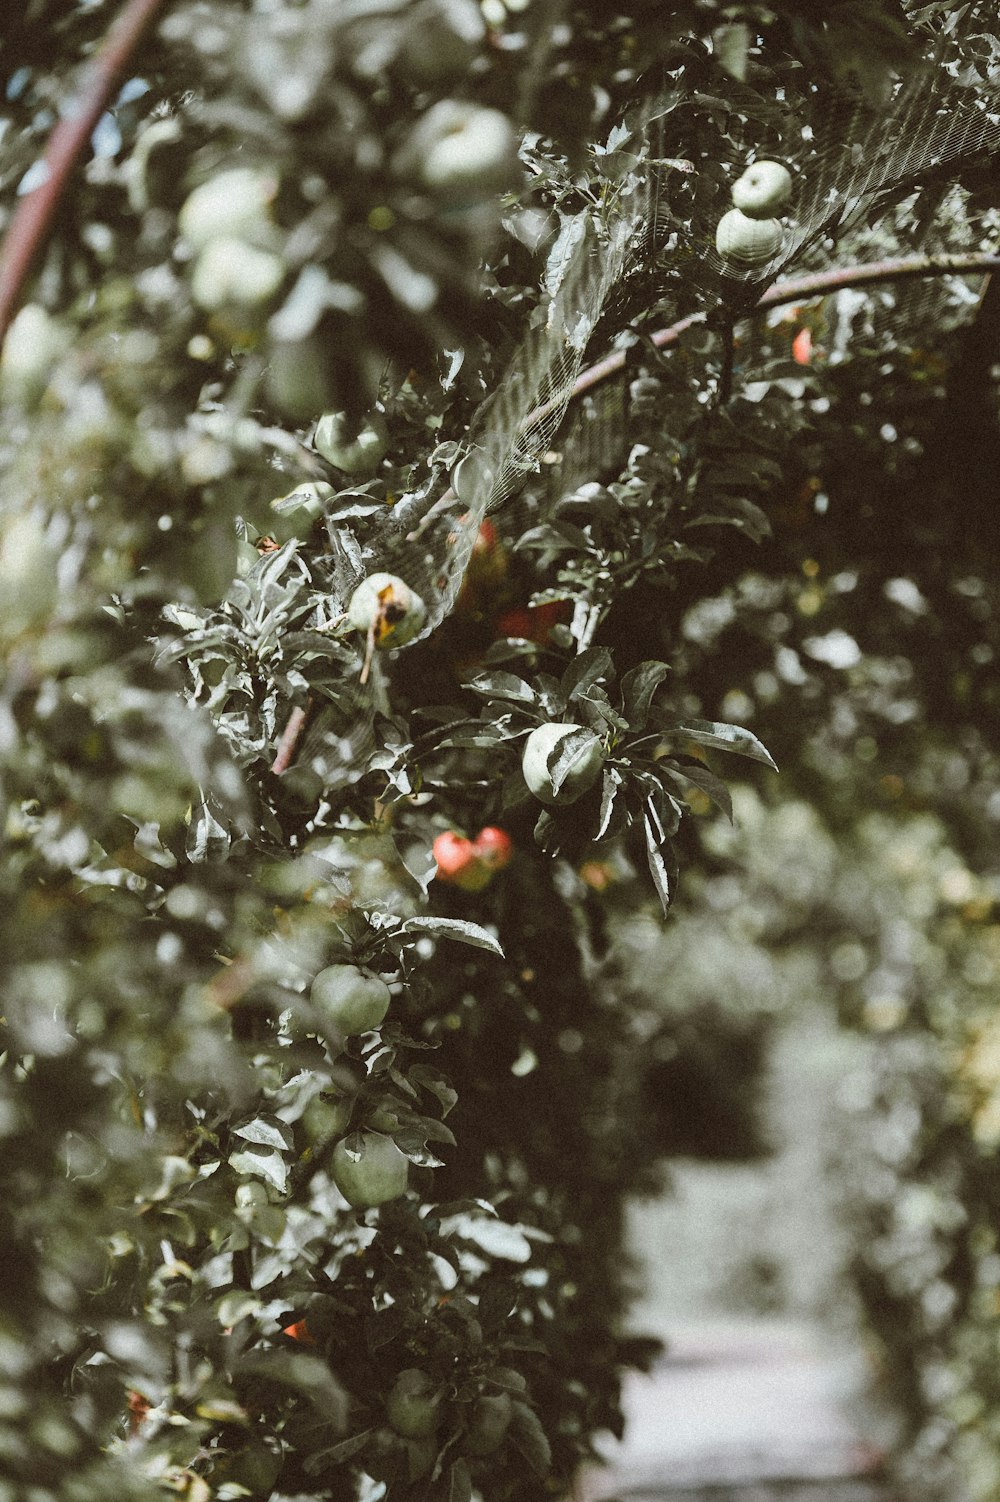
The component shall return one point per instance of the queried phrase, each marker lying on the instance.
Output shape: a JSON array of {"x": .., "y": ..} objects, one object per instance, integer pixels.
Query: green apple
[
  {"x": 358, "y": 455},
  {"x": 412, "y": 1404},
  {"x": 546, "y": 747},
  {"x": 386, "y": 606},
  {"x": 750, "y": 242},
  {"x": 235, "y": 204},
  {"x": 763, "y": 189},
  {"x": 297, "y": 512},
  {"x": 461, "y": 152},
  {"x": 349, "y": 999},
  {"x": 33, "y": 345},
  {"x": 378, "y": 1174},
  {"x": 327, "y": 1116},
  {"x": 230, "y": 273}
]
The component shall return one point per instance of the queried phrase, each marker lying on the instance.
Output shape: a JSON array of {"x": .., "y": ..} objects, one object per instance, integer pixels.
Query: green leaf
[
  {"x": 267, "y": 1131},
  {"x": 439, "y": 1088},
  {"x": 458, "y": 929},
  {"x": 459, "y": 1483},
  {"x": 660, "y": 857},
  {"x": 261, "y": 1163},
  {"x": 638, "y": 687},
  {"x": 566, "y": 754},
  {"x": 207, "y": 839},
  {"x": 336, "y": 1454},
  {"x": 501, "y": 686},
  {"x": 584, "y": 671},
  {"x": 722, "y": 737},
  {"x": 304, "y": 1373},
  {"x": 701, "y": 777},
  {"x": 528, "y": 1436},
  {"x": 611, "y": 786}
]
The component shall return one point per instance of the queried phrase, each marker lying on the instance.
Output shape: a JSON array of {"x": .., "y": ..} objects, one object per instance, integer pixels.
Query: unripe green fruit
[
  {"x": 387, "y": 604},
  {"x": 462, "y": 153},
  {"x": 252, "y": 1467},
  {"x": 763, "y": 189},
  {"x": 541, "y": 751},
  {"x": 28, "y": 574},
  {"x": 33, "y": 344},
  {"x": 360, "y": 455},
  {"x": 750, "y": 242},
  {"x": 489, "y": 1423},
  {"x": 231, "y": 205},
  {"x": 228, "y": 273},
  {"x": 412, "y": 1404},
  {"x": 350, "y": 1000},
  {"x": 379, "y": 1174},
  {"x": 325, "y": 1118}
]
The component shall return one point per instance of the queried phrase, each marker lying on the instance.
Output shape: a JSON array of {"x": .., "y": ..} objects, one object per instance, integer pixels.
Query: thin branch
[
  {"x": 29, "y": 228},
  {"x": 795, "y": 289},
  {"x": 290, "y": 737}
]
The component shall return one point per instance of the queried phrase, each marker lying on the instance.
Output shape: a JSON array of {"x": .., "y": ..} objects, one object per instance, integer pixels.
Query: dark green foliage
[{"x": 214, "y": 786}]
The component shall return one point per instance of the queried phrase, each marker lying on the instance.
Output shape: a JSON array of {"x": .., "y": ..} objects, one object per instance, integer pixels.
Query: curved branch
[
  {"x": 29, "y": 228},
  {"x": 795, "y": 289}
]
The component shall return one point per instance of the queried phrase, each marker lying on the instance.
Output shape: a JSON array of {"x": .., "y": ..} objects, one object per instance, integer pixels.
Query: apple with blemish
[{"x": 385, "y": 606}]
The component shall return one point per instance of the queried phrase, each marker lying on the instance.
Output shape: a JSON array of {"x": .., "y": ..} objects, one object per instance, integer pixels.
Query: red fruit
[
  {"x": 534, "y": 622},
  {"x": 299, "y": 1330},
  {"x": 138, "y": 1407},
  {"x": 494, "y": 847},
  {"x": 485, "y": 572},
  {"x": 453, "y": 854},
  {"x": 486, "y": 538},
  {"x": 469, "y": 865},
  {"x": 802, "y": 347}
]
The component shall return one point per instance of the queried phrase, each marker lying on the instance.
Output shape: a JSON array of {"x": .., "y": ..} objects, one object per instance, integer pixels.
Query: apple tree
[{"x": 377, "y": 380}]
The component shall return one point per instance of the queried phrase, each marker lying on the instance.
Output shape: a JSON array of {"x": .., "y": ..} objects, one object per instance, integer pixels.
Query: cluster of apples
[
  {"x": 749, "y": 233},
  {"x": 468, "y": 864},
  {"x": 368, "y": 1168},
  {"x": 238, "y": 265}
]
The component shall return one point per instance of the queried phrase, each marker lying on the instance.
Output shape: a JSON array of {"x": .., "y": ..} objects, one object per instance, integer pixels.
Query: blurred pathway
[
  {"x": 763, "y": 1393},
  {"x": 754, "y": 1412}
]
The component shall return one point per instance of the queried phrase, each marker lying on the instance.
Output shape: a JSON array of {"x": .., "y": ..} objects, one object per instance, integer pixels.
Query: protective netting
[
  {"x": 650, "y": 253},
  {"x": 846, "y": 158}
]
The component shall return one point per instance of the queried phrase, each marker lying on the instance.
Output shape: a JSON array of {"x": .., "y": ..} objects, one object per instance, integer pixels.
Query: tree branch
[
  {"x": 290, "y": 737},
  {"x": 29, "y": 228},
  {"x": 795, "y": 289}
]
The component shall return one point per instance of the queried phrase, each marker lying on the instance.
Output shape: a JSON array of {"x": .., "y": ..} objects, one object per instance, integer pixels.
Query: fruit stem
[{"x": 33, "y": 216}]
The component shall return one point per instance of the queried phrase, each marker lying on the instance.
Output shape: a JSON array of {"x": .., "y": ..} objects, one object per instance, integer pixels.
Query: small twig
[
  {"x": 369, "y": 651},
  {"x": 290, "y": 737},
  {"x": 728, "y": 358},
  {"x": 33, "y": 216}
]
